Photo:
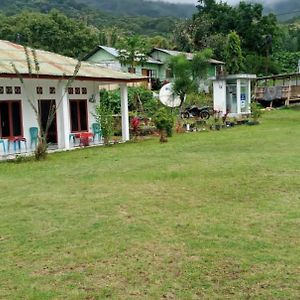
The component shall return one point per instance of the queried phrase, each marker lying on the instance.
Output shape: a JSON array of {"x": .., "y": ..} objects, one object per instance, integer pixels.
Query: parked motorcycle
[{"x": 194, "y": 111}]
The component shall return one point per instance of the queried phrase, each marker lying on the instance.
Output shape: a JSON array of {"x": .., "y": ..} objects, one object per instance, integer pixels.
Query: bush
[
  {"x": 256, "y": 111},
  {"x": 164, "y": 121},
  {"x": 198, "y": 99},
  {"x": 105, "y": 119},
  {"x": 140, "y": 100}
]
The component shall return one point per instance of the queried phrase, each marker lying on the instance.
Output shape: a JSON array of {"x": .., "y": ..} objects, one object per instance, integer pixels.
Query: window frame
[
  {"x": 79, "y": 126},
  {"x": 10, "y": 119}
]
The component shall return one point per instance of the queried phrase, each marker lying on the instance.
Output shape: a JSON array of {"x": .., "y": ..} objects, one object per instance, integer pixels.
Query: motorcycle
[{"x": 194, "y": 111}]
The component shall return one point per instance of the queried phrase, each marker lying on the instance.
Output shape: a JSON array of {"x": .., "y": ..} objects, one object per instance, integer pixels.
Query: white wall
[
  {"x": 29, "y": 91},
  {"x": 219, "y": 94}
]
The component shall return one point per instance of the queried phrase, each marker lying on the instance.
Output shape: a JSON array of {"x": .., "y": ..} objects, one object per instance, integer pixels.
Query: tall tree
[
  {"x": 188, "y": 74},
  {"x": 233, "y": 54},
  {"x": 133, "y": 51}
]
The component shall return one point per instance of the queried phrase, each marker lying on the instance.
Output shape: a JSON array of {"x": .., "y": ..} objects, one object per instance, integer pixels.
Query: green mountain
[
  {"x": 142, "y": 8},
  {"x": 115, "y": 7},
  {"x": 284, "y": 10}
]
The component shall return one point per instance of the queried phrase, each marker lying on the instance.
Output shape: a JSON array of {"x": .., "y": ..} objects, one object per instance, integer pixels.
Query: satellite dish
[{"x": 168, "y": 97}]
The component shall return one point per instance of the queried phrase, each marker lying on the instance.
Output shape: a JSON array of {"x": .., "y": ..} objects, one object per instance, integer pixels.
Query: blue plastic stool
[{"x": 3, "y": 145}]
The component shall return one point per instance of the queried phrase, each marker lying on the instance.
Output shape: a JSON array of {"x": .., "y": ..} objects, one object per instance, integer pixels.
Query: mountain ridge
[{"x": 113, "y": 7}]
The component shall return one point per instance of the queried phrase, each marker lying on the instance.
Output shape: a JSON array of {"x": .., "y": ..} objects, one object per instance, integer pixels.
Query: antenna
[{"x": 167, "y": 96}]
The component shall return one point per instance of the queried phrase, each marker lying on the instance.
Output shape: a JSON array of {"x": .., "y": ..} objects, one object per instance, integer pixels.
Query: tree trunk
[
  {"x": 163, "y": 136},
  {"x": 41, "y": 149}
]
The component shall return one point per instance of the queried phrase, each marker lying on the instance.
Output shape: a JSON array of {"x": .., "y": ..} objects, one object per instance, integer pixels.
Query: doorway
[
  {"x": 231, "y": 98},
  {"x": 44, "y": 109}
]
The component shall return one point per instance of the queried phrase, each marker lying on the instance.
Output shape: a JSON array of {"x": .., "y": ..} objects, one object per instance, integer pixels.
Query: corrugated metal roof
[
  {"x": 115, "y": 53},
  {"x": 188, "y": 55},
  {"x": 55, "y": 65}
]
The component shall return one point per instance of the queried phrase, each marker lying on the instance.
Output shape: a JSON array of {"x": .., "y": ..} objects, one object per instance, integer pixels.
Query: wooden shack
[{"x": 283, "y": 88}]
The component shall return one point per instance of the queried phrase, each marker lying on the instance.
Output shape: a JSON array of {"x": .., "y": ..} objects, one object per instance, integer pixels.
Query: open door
[{"x": 44, "y": 109}]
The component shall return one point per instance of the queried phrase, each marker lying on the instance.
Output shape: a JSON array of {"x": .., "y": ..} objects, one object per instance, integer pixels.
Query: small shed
[{"x": 232, "y": 93}]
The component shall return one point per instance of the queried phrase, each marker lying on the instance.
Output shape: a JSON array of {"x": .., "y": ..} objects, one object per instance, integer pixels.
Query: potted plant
[{"x": 218, "y": 121}]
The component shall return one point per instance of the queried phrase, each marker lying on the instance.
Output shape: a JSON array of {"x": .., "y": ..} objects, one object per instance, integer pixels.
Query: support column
[
  {"x": 124, "y": 110},
  {"x": 63, "y": 119},
  {"x": 238, "y": 96},
  {"x": 249, "y": 97}
]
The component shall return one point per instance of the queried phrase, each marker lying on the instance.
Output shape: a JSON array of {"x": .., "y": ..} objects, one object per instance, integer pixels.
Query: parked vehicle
[{"x": 194, "y": 111}]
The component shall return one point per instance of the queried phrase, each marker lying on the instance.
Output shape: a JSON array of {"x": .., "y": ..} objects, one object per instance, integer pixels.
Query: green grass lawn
[{"x": 206, "y": 216}]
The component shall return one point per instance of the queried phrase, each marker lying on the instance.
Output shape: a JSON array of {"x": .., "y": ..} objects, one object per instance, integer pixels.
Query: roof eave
[{"x": 80, "y": 78}]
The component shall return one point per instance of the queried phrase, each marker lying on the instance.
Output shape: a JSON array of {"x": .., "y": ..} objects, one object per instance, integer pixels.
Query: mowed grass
[{"x": 206, "y": 216}]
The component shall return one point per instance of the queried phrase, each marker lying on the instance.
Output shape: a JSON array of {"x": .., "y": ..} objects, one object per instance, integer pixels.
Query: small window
[
  {"x": 39, "y": 90},
  {"x": 52, "y": 90},
  {"x": 169, "y": 73},
  {"x": 18, "y": 90},
  {"x": 131, "y": 70},
  {"x": 1, "y": 90},
  {"x": 84, "y": 91},
  {"x": 9, "y": 90},
  {"x": 70, "y": 91},
  {"x": 77, "y": 91}
]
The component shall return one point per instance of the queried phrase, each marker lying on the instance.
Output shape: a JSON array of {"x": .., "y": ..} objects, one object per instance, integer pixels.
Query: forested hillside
[
  {"x": 285, "y": 9},
  {"x": 89, "y": 15},
  {"x": 142, "y": 8},
  {"x": 115, "y": 7},
  {"x": 72, "y": 28}
]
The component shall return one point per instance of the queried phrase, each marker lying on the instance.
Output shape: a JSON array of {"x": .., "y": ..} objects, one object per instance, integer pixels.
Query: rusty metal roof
[
  {"x": 189, "y": 56},
  {"x": 53, "y": 65}
]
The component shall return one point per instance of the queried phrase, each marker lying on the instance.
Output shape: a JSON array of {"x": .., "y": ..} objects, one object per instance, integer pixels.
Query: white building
[
  {"x": 75, "y": 106},
  {"x": 232, "y": 94}
]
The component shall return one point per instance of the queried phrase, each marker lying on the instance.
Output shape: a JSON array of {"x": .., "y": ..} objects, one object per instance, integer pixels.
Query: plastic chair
[
  {"x": 96, "y": 131},
  {"x": 3, "y": 145},
  {"x": 33, "y": 136}
]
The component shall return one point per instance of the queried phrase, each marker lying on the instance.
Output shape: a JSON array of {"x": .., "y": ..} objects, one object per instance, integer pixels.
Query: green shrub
[
  {"x": 104, "y": 117},
  {"x": 140, "y": 100},
  {"x": 256, "y": 111},
  {"x": 164, "y": 121}
]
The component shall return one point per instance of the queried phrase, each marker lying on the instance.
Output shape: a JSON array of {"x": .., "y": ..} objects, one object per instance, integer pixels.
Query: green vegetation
[
  {"x": 140, "y": 100},
  {"x": 233, "y": 54},
  {"x": 268, "y": 46},
  {"x": 75, "y": 27},
  {"x": 164, "y": 122},
  {"x": 93, "y": 8},
  {"x": 208, "y": 215},
  {"x": 104, "y": 117},
  {"x": 188, "y": 74},
  {"x": 142, "y": 8}
]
